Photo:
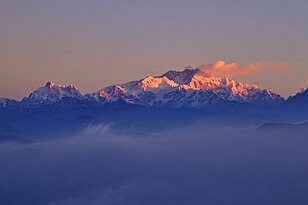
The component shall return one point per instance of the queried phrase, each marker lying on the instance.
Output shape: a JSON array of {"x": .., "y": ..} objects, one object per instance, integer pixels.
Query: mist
[{"x": 185, "y": 166}]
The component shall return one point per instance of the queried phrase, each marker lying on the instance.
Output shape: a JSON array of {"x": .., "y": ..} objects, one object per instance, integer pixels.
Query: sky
[{"x": 95, "y": 43}]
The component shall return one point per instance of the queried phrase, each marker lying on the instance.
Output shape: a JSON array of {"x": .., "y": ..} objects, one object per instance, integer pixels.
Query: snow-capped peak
[
  {"x": 157, "y": 83},
  {"x": 52, "y": 85},
  {"x": 196, "y": 79},
  {"x": 51, "y": 93},
  {"x": 179, "y": 88}
]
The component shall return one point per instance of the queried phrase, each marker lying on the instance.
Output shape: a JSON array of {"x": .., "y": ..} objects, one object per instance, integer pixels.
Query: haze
[{"x": 186, "y": 166}]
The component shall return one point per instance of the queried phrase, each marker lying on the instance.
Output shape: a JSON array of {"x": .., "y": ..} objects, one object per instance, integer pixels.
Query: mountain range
[
  {"x": 173, "y": 100},
  {"x": 190, "y": 88}
]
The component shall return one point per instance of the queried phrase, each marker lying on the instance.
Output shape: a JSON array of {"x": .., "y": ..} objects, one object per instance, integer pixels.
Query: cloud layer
[
  {"x": 98, "y": 167},
  {"x": 222, "y": 69}
]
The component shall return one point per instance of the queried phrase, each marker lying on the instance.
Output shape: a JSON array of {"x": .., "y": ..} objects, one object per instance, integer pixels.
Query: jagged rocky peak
[
  {"x": 181, "y": 77},
  {"x": 50, "y": 84}
]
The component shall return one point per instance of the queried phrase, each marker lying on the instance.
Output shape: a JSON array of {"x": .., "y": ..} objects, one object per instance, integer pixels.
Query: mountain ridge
[
  {"x": 191, "y": 87},
  {"x": 178, "y": 88}
]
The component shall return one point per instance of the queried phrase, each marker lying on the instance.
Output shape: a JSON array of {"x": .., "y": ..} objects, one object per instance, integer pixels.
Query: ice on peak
[
  {"x": 118, "y": 89},
  {"x": 51, "y": 93},
  {"x": 51, "y": 84},
  {"x": 157, "y": 82}
]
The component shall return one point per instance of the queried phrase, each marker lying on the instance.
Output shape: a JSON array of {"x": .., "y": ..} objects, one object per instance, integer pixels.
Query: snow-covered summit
[
  {"x": 52, "y": 93},
  {"x": 192, "y": 88}
]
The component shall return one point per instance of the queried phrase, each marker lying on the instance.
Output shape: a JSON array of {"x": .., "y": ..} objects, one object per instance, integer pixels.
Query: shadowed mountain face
[{"x": 8, "y": 103}]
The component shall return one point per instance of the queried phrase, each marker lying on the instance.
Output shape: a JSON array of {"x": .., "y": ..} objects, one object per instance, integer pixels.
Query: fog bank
[{"x": 95, "y": 167}]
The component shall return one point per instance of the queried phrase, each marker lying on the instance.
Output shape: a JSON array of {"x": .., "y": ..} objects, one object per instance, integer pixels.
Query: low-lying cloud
[
  {"x": 98, "y": 167},
  {"x": 222, "y": 69}
]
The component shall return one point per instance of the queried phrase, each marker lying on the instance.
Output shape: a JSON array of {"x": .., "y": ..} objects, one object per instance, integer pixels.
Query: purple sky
[{"x": 99, "y": 42}]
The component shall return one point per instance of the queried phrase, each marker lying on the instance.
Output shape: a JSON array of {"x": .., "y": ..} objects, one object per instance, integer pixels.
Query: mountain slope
[
  {"x": 301, "y": 97},
  {"x": 6, "y": 103}
]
